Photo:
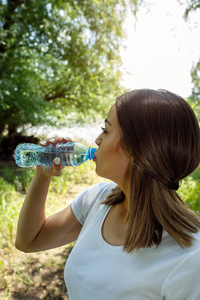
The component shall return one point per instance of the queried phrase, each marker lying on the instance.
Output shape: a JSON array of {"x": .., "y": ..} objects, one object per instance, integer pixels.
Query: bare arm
[{"x": 35, "y": 232}]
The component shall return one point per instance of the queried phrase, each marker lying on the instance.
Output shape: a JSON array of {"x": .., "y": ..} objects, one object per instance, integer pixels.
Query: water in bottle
[{"x": 70, "y": 153}]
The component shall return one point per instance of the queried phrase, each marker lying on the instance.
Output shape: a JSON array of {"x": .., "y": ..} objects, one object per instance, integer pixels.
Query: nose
[{"x": 98, "y": 140}]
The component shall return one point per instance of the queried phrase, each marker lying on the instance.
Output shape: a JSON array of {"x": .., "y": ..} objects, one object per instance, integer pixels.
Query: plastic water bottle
[{"x": 71, "y": 154}]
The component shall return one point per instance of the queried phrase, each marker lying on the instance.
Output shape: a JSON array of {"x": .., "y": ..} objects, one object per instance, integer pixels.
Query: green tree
[
  {"x": 192, "y": 5},
  {"x": 58, "y": 58},
  {"x": 194, "y": 99}
]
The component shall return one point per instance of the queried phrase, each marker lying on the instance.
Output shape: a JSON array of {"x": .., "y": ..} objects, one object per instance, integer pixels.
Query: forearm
[
  {"x": 35, "y": 232},
  {"x": 32, "y": 216}
]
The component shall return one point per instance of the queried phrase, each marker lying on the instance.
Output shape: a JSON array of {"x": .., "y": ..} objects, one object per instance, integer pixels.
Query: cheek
[
  {"x": 126, "y": 166},
  {"x": 125, "y": 161}
]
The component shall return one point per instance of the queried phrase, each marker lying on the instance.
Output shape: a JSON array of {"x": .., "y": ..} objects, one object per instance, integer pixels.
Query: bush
[{"x": 190, "y": 191}]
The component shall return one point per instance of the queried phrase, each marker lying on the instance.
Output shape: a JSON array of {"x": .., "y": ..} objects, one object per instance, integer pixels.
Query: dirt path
[{"x": 36, "y": 276}]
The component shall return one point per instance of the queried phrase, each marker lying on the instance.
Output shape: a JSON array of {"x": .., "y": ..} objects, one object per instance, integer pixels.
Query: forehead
[
  {"x": 112, "y": 115},
  {"x": 112, "y": 119}
]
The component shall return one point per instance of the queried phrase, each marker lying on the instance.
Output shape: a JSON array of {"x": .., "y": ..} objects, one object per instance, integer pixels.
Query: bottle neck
[{"x": 91, "y": 152}]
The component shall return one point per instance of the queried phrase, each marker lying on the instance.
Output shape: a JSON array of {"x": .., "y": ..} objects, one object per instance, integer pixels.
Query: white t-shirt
[{"x": 96, "y": 270}]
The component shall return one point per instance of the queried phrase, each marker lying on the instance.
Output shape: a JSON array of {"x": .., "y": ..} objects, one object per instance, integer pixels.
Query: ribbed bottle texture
[{"x": 71, "y": 154}]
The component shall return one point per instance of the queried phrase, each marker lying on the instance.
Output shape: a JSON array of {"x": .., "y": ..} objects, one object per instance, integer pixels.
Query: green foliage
[
  {"x": 8, "y": 212},
  {"x": 194, "y": 99},
  {"x": 18, "y": 178},
  {"x": 190, "y": 190},
  {"x": 192, "y": 5},
  {"x": 58, "y": 58}
]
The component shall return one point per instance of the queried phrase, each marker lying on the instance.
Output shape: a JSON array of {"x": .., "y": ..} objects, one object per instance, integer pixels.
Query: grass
[{"x": 14, "y": 183}]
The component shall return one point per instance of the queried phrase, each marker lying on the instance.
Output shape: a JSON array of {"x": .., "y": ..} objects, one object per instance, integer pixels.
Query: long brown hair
[{"x": 162, "y": 135}]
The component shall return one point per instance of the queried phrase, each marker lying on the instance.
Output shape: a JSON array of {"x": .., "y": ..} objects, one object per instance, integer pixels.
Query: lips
[{"x": 95, "y": 156}]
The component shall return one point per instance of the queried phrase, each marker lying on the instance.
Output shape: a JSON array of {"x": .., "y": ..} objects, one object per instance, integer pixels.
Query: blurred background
[{"x": 62, "y": 65}]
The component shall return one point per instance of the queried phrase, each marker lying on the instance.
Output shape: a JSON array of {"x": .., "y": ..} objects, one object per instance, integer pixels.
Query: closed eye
[{"x": 104, "y": 130}]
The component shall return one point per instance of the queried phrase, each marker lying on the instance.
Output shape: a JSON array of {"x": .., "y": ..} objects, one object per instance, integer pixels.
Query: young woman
[{"x": 136, "y": 239}]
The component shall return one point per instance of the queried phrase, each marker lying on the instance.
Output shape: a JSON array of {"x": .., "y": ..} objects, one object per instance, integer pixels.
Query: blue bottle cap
[{"x": 91, "y": 152}]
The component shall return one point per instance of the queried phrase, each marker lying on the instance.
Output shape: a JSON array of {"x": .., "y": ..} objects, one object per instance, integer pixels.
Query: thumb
[
  {"x": 57, "y": 166},
  {"x": 57, "y": 162}
]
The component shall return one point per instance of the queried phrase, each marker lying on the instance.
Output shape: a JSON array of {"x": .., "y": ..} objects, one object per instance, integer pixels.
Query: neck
[
  {"x": 125, "y": 205},
  {"x": 124, "y": 210}
]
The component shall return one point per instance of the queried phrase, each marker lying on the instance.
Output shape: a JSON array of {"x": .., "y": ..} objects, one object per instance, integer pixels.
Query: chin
[{"x": 99, "y": 173}]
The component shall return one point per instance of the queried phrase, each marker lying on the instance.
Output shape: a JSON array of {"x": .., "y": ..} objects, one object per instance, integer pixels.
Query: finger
[
  {"x": 59, "y": 139},
  {"x": 57, "y": 162},
  {"x": 57, "y": 167},
  {"x": 67, "y": 139},
  {"x": 54, "y": 140},
  {"x": 43, "y": 143}
]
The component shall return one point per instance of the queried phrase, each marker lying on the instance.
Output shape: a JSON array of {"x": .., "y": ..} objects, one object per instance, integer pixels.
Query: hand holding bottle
[{"x": 56, "y": 168}]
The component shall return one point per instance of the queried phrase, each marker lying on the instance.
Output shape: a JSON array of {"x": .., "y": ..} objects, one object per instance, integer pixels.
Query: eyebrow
[{"x": 106, "y": 121}]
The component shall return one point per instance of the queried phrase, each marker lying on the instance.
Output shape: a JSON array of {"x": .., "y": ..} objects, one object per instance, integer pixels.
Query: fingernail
[
  {"x": 57, "y": 160},
  {"x": 43, "y": 143},
  {"x": 52, "y": 140}
]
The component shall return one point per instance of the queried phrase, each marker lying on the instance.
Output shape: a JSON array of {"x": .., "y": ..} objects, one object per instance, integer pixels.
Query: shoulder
[
  {"x": 186, "y": 270},
  {"x": 102, "y": 188},
  {"x": 196, "y": 237},
  {"x": 82, "y": 205},
  {"x": 95, "y": 193}
]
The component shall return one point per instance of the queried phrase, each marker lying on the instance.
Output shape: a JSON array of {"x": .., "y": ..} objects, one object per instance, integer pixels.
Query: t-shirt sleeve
[
  {"x": 82, "y": 205},
  {"x": 183, "y": 282}
]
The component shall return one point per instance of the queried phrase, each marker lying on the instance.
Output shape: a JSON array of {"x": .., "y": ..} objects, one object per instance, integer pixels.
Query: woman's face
[{"x": 112, "y": 161}]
